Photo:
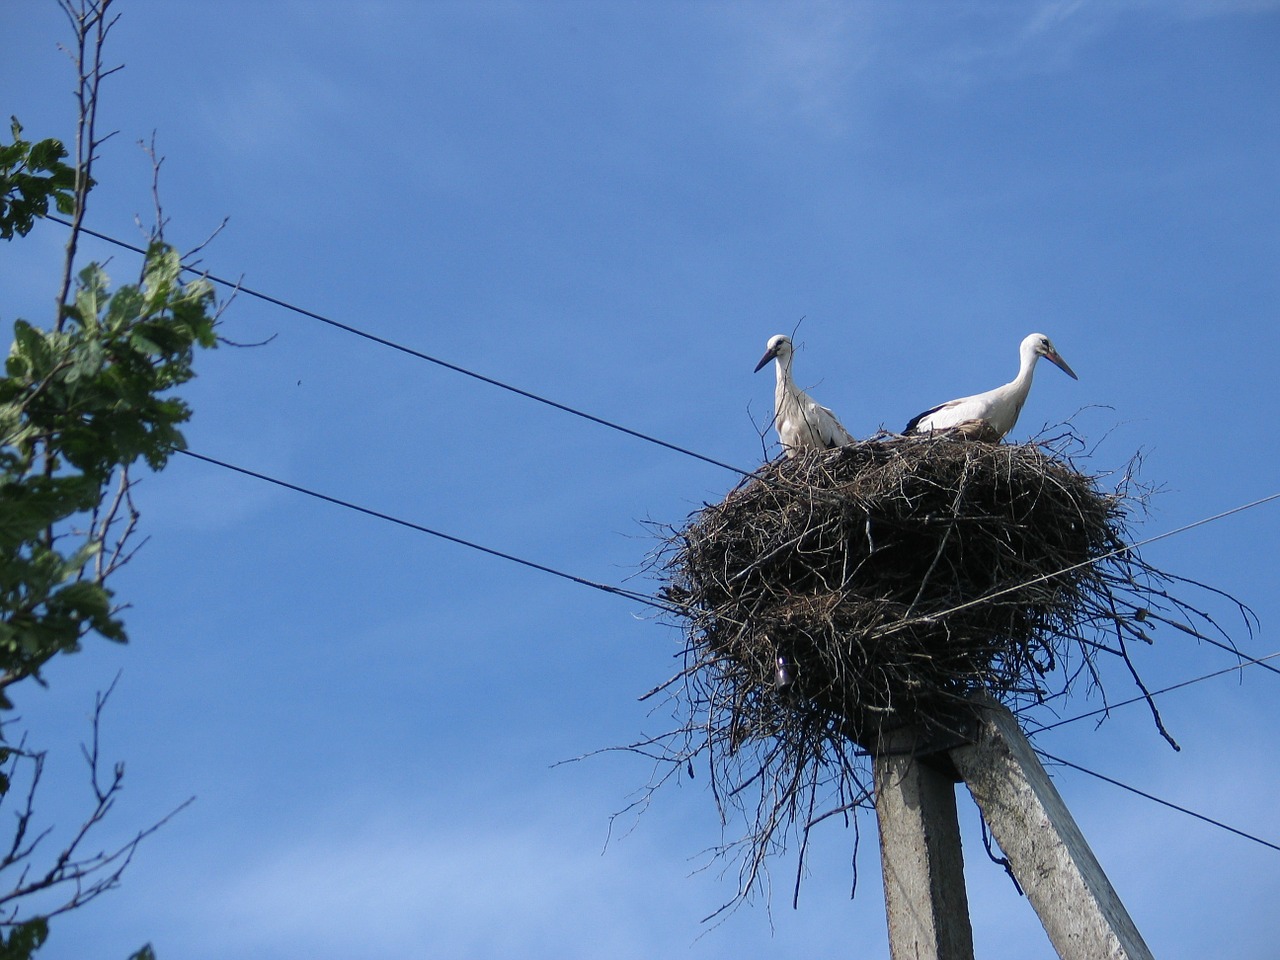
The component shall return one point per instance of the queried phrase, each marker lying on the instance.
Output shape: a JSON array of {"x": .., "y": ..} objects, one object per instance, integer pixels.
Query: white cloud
[
  {"x": 1049, "y": 15},
  {"x": 402, "y": 885},
  {"x": 969, "y": 43},
  {"x": 799, "y": 61},
  {"x": 455, "y": 887},
  {"x": 396, "y": 875},
  {"x": 818, "y": 63},
  {"x": 267, "y": 108},
  {"x": 1204, "y": 9},
  {"x": 191, "y": 496}
]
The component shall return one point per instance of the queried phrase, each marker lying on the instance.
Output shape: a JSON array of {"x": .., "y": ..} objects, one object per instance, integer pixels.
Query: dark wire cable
[
  {"x": 1229, "y": 648},
  {"x": 670, "y": 608},
  {"x": 604, "y": 587},
  {"x": 1126, "y": 548},
  {"x": 1254, "y": 661},
  {"x": 648, "y": 600},
  {"x": 629, "y": 594},
  {"x": 383, "y": 341},
  {"x": 1166, "y": 803},
  {"x": 635, "y": 433}
]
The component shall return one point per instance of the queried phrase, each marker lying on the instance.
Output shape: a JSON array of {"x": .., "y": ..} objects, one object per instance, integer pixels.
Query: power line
[
  {"x": 276, "y": 301},
  {"x": 1253, "y": 661},
  {"x": 595, "y": 585},
  {"x": 633, "y": 595},
  {"x": 418, "y": 354},
  {"x": 1166, "y": 803},
  {"x": 1147, "y": 614},
  {"x": 1127, "y": 548},
  {"x": 356, "y": 331},
  {"x": 646, "y": 599},
  {"x": 668, "y": 607},
  {"x": 1177, "y": 686}
]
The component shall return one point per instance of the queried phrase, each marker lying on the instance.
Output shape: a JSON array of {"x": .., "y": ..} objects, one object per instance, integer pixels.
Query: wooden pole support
[
  {"x": 1081, "y": 913},
  {"x": 924, "y": 892}
]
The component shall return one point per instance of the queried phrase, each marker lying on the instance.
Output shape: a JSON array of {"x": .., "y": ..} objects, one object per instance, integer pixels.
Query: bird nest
[
  {"x": 886, "y": 582},
  {"x": 843, "y": 594}
]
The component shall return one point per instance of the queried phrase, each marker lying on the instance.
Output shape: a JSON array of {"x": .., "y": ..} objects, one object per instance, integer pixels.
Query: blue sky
[{"x": 615, "y": 205}]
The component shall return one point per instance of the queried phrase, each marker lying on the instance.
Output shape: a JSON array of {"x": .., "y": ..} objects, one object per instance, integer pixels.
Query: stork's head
[
  {"x": 1042, "y": 346},
  {"x": 779, "y": 346}
]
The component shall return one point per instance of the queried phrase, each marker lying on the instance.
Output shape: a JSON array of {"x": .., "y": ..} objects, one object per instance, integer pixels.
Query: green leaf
[
  {"x": 34, "y": 505},
  {"x": 125, "y": 307},
  {"x": 92, "y": 288},
  {"x": 30, "y": 176},
  {"x": 46, "y": 154},
  {"x": 24, "y": 939},
  {"x": 78, "y": 404},
  {"x": 30, "y": 344},
  {"x": 87, "y": 361}
]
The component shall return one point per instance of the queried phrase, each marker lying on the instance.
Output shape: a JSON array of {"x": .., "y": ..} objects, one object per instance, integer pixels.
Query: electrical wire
[
  {"x": 644, "y": 598},
  {"x": 1166, "y": 803},
  {"x": 668, "y": 607},
  {"x": 383, "y": 341},
  {"x": 276, "y": 301},
  {"x": 418, "y": 354},
  {"x": 1253, "y": 661},
  {"x": 502, "y": 555},
  {"x": 1262, "y": 661},
  {"x": 1228, "y": 647},
  {"x": 648, "y": 599},
  {"x": 1127, "y": 548}
]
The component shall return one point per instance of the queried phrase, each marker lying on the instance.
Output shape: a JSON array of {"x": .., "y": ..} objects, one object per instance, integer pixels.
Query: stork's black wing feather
[{"x": 915, "y": 421}]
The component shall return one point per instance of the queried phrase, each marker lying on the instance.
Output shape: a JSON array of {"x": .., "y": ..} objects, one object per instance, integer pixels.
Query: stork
[
  {"x": 991, "y": 415},
  {"x": 803, "y": 424}
]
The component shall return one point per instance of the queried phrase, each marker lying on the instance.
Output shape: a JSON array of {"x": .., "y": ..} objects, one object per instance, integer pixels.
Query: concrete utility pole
[
  {"x": 923, "y": 866},
  {"x": 924, "y": 893}
]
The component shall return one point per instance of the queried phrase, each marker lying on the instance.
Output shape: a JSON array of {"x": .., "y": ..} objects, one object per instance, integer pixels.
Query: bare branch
[
  {"x": 187, "y": 257},
  {"x": 90, "y": 22},
  {"x": 888, "y": 582},
  {"x": 155, "y": 232},
  {"x": 74, "y": 877}
]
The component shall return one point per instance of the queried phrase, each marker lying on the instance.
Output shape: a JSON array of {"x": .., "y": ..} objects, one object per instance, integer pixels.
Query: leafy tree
[
  {"x": 30, "y": 176},
  {"x": 82, "y": 402},
  {"x": 78, "y": 407}
]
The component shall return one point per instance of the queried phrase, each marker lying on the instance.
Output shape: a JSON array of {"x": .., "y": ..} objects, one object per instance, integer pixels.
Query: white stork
[
  {"x": 802, "y": 423},
  {"x": 991, "y": 415}
]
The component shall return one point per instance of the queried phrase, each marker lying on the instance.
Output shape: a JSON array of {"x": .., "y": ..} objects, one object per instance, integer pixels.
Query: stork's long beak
[
  {"x": 770, "y": 354},
  {"x": 1062, "y": 365}
]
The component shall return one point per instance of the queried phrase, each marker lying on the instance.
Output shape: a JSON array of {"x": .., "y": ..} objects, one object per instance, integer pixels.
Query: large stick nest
[
  {"x": 842, "y": 594},
  {"x": 888, "y": 581}
]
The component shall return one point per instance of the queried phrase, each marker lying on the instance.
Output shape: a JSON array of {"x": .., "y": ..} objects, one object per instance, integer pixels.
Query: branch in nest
[{"x": 896, "y": 579}]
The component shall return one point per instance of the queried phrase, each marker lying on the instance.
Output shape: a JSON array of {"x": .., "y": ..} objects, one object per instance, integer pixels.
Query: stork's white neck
[
  {"x": 1020, "y": 384},
  {"x": 783, "y": 367}
]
